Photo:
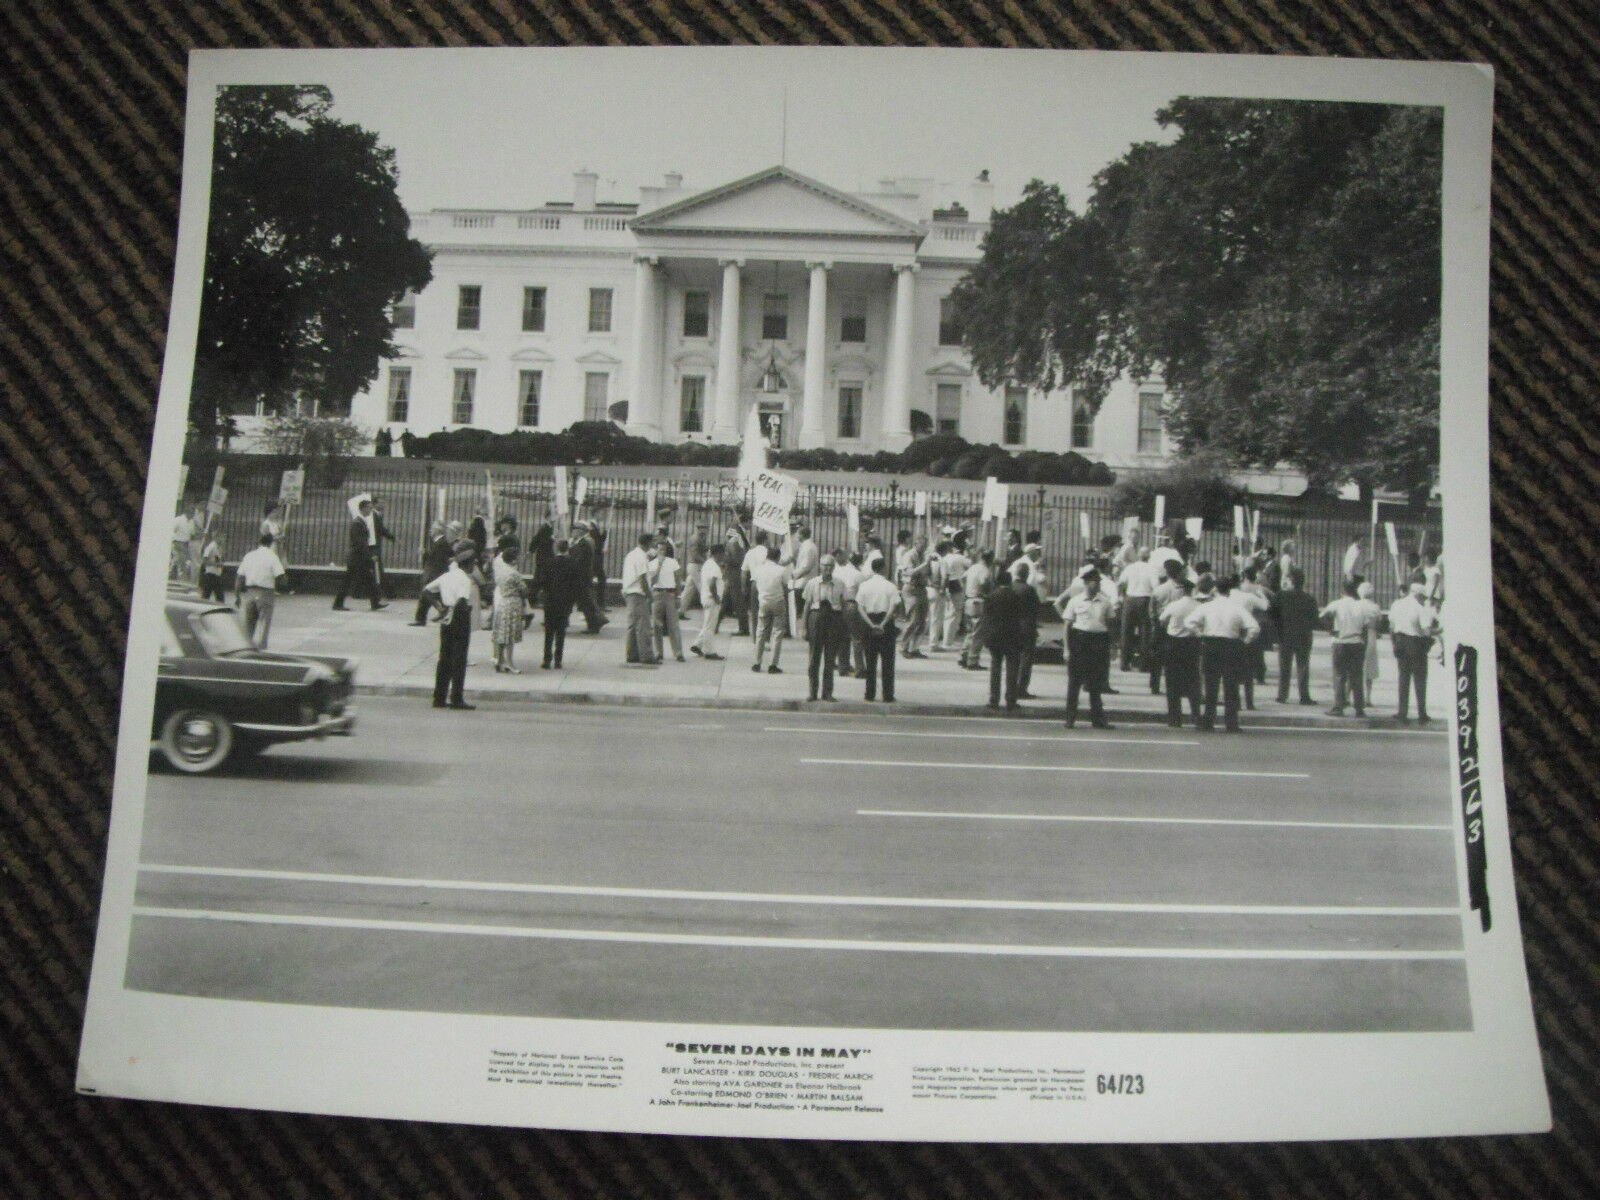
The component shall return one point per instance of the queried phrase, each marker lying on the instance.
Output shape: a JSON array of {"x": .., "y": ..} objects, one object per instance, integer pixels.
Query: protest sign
[
  {"x": 292, "y": 488},
  {"x": 1194, "y": 527},
  {"x": 774, "y": 499},
  {"x": 1161, "y": 511}
]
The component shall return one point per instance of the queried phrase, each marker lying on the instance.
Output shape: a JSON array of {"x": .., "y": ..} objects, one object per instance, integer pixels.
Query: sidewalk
[{"x": 397, "y": 659}]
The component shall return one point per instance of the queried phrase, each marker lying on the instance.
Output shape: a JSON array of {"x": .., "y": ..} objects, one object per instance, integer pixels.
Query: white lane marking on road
[
  {"x": 635, "y": 893},
  {"x": 982, "y": 816},
  {"x": 1435, "y": 728},
  {"x": 1060, "y": 738},
  {"x": 969, "y": 766},
  {"x": 700, "y": 725},
  {"x": 1054, "y": 711},
  {"x": 771, "y": 943}
]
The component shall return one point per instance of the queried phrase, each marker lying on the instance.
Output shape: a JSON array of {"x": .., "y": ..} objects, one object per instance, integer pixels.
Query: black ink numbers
[{"x": 1119, "y": 1085}]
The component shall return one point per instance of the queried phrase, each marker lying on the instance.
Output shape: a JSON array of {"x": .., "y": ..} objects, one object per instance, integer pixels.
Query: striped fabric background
[{"x": 91, "y": 124}]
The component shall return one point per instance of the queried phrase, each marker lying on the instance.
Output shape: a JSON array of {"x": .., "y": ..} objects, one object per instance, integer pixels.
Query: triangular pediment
[{"x": 777, "y": 200}]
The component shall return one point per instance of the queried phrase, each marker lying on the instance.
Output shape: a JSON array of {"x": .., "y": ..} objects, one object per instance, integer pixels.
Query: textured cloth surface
[{"x": 91, "y": 93}]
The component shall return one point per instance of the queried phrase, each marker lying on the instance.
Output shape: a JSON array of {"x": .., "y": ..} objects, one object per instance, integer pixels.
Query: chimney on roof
[
  {"x": 982, "y": 197},
  {"x": 674, "y": 181},
  {"x": 584, "y": 184}
]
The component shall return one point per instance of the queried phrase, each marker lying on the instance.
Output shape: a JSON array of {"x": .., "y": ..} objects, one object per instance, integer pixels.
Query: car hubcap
[{"x": 198, "y": 738}]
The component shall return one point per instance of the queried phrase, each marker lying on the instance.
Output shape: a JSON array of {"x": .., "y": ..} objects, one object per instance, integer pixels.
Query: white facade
[{"x": 679, "y": 305}]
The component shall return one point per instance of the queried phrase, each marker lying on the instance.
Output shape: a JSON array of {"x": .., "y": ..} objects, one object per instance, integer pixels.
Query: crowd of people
[{"x": 1195, "y": 631}]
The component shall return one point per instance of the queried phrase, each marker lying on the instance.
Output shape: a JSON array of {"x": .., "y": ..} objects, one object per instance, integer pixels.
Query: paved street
[{"x": 797, "y": 868}]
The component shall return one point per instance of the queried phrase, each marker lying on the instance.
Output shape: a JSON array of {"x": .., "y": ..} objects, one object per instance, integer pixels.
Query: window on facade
[
  {"x": 850, "y": 410},
  {"x": 692, "y": 405},
  {"x": 1082, "y": 425},
  {"x": 775, "y": 316},
  {"x": 1016, "y": 422},
  {"x": 404, "y": 313},
  {"x": 852, "y": 318},
  {"x": 949, "y": 331},
  {"x": 461, "y": 395},
  {"x": 599, "y": 310},
  {"x": 696, "y": 314},
  {"x": 529, "y": 385},
  {"x": 469, "y": 306},
  {"x": 399, "y": 394},
  {"x": 1150, "y": 422},
  {"x": 533, "y": 310},
  {"x": 947, "y": 415},
  {"x": 596, "y": 395}
]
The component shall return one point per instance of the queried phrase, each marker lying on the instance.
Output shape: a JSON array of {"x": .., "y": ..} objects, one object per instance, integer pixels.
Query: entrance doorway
[{"x": 774, "y": 423}]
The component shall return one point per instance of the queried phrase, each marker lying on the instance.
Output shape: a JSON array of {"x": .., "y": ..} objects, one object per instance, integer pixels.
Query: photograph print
[{"x": 720, "y": 541}]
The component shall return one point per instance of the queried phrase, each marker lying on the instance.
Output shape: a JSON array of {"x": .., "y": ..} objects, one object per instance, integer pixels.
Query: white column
[
  {"x": 644, "y": 407},
  {"x": 896, "y": 433},
  {"x": 725, "y": 427},
  {"x": 813, "y": 428}
]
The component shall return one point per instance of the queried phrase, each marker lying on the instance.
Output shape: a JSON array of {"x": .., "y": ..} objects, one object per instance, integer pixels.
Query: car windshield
[{"x": 219, "y": 632}]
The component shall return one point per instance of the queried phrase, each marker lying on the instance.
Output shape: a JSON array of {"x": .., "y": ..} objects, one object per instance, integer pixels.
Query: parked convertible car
[{"x": 217, "y": 695}]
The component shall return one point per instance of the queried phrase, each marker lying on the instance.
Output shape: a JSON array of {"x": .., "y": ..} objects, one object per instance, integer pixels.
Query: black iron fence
[{"x": 1068, "y": 521}]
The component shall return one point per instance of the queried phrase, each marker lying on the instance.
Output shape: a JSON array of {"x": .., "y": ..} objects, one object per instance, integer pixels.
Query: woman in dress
[{"x": 506, "y": 624}]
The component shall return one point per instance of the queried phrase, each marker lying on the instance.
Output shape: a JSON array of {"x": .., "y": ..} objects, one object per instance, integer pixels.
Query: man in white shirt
[
  {"x": 455, "y": 594},
  {"x": 1138, "y": 580},
  {"x": 823, "y": 597},
  {"x": 975, "y": 584},
  {"x": 877, "y": 601},
  {"x": 712, "y": 588},
  {"x": 1223, "y": 627},
  {"x": 753, "y": 557},
  {"x": 664, "y": 583},
  {"x": 770, "y": 579},
  {"x": 848, "y": 572},
  {"x": 637, "y": 596},
  {"x": 1353, "y": 619},
  {"x": 256, "y": 589},
  {"x": 184, "y": 531},
  {"x": 955, "y": 573},
  {"x": 1088, "y": 618},
  {"x": 1414, "y": 623},
  {"x": 1252, "y": 597}
]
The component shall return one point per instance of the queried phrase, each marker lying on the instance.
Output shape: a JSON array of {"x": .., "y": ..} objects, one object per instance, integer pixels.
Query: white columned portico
[
  {"x": 813, "y": 430},
  {"x": 644, "y": 410},
  {"x": 725, "y": 426},
  {"x": 896, "y": 430}
]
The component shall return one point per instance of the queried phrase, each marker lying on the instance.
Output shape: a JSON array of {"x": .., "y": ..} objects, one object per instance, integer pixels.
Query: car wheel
[{"x": 196, "y": 740}]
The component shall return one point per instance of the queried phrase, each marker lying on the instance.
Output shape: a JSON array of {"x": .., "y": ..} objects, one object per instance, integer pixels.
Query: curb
[{"x": 1038, "y": 712}]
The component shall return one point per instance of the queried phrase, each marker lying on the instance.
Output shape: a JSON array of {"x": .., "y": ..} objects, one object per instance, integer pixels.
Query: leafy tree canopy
[
  {"x": 1278, "y": 263},
  {"x": 307, "y": 248}
]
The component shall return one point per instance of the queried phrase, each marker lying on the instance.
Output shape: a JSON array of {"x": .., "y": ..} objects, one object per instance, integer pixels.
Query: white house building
[{"x": 825, "y": 310}]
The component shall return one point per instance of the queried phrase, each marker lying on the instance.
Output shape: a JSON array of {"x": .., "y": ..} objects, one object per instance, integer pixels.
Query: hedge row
[{"x": 602, "y": 442}]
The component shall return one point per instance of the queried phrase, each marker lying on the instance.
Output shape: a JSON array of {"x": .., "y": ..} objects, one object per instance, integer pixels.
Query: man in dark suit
[
  {"x": 581, "y": 556},
  {"x": 561, "y": 583},
  {"x": 1002, "y": 632},
  {"x": 360, "y": 563}
]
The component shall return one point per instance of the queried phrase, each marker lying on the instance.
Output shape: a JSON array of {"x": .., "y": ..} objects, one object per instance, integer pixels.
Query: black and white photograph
[{"x": 868, "y": 594}]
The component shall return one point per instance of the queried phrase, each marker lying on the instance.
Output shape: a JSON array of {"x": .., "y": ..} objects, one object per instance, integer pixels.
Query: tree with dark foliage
[
  {"x": 307, "y": 248},
  {"x": 1278, "y": 262}
]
